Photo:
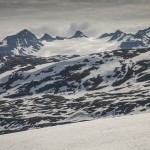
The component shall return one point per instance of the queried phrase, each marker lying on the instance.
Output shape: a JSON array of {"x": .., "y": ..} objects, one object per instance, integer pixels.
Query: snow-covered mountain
[
  {"x": 78, "y": 34},
  {"x": 37, "y": 92},
  {"x": 21, "y": 43},
  {"x": 140, "y": 39},
  {"x": 116, "y": 36},
  {"x": 46, "y": 45},
  {"x": 46, "y": 37},
  {"x": 60, "y": 38}
]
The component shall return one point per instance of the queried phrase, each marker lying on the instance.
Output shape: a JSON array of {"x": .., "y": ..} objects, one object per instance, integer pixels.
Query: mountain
[
  {"x": 78, "y": 34},
  {"x": 38, "y": 92},
  {"x": 60, "y": 38},
  {"x": 116, "y": 36},
  {"x": 26, "y": 43},
  {"x": 144, "y": 32},
  {"x": 106, "y": 35},
  {"x": 46, "y": 37},
  {"x": 140, "y": 39},
  {"x": 22, "y": 43}
]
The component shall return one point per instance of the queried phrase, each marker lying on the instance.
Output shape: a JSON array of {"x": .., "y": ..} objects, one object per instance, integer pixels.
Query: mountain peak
[
  {"x": 25, "y": 31},
  {"x": 146, "y": 29},
  {"x": 46, "y": 37},
  {"x": 118, "y": 32},
  {"x": 21, "y": 41},
  {"x": 105, "y": 35},
  {"x": 79, "y": 34},
  {"x": 59, "y": 38},
  {"x": 144, "y": 32},
  {"x": 117, "y": 35}
]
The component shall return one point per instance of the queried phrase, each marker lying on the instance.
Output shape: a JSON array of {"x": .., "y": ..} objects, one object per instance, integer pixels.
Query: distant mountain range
[
  {"x": 64, "y": 88},
  {"x": 25, "y": 42},
  {"x": 128, "y": 41}
]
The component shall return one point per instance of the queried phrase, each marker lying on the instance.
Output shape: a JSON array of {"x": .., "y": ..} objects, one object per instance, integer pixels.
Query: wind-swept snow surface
[
  {"x": 76, "y": 47},
  {"x": 120, "y": 133}
]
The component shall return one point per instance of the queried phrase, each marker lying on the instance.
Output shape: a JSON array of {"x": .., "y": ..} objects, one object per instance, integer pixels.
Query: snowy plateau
[
  {"x": 102, "y": 83},
  {"x": 119, "y": 133}
]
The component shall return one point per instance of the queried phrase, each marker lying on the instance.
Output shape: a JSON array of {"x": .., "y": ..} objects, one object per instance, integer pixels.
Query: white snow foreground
[{"x": 120, "y": 133}]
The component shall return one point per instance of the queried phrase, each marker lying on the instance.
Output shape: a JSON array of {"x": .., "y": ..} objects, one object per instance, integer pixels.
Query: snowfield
[
  {"x": 120, "y": 133},
  {"x": 79, "y": 46}
]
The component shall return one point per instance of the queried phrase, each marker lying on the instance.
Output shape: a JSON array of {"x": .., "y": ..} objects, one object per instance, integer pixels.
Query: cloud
[
  {"x": 64, "y": 17},
  {"x": 78, "y": 26}
]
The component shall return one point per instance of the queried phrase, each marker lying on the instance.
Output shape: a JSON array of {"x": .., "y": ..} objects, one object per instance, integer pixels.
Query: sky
[{"x": 64, "y": 17}]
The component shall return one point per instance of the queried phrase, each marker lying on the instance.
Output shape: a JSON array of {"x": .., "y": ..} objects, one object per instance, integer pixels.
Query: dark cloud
[
  {"x": 65, "y": 16},
  {"x": 35, "y": 3}
]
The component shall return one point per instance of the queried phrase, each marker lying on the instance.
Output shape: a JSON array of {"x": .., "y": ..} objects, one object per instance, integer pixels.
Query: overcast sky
[{"x": 64, "y": 17}]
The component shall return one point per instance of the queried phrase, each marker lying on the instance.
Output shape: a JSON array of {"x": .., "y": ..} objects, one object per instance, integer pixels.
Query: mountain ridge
[
  {"x": 26, "y": 43},
  {"x": 140, "y": 39},
  {"x": 20, "y": 41}
]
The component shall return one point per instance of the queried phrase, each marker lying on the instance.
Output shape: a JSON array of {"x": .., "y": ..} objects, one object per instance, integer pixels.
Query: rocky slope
[{"x": 38, "y": 92}]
